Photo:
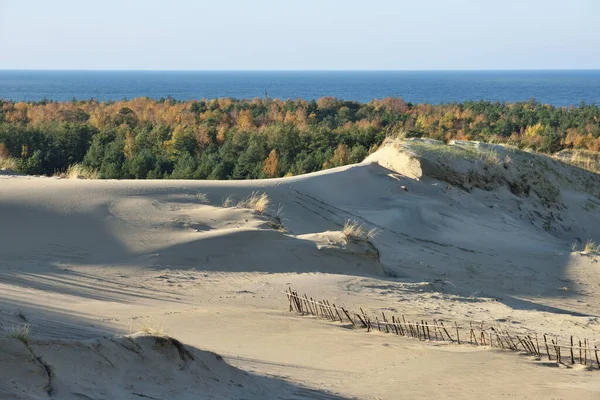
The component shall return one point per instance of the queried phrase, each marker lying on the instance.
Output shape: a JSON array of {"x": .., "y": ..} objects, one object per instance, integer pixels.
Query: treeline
[{"x": 263, "y": 138}]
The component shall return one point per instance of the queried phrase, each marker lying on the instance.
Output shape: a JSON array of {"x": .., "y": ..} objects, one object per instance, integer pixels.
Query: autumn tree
[
  {"x": 245, "y": 121},
  {"x": 340, "y": 156},
  {"x": 271, "y": 165}
]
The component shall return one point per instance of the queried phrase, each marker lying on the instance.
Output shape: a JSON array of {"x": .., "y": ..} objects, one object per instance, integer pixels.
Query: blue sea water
[{"x": 560, "y": 88}]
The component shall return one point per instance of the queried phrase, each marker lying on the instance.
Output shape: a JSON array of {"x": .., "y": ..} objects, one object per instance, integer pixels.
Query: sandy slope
[{"x": 472, "y": 238}]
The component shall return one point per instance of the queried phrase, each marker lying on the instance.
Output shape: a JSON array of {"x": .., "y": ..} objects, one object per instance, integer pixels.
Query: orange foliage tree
[{"x": 271, "y": 165}]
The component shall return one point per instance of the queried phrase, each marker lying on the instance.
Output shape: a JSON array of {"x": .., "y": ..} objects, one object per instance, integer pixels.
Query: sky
[{"x": 299, "y": 35}]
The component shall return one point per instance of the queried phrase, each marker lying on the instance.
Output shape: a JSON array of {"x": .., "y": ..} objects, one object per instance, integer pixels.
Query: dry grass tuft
[
  {"x": 21, "y": 333},
  {"x": 79, "y": 171},
  {"x": 203, "y": 198},
  {"x": 277, "y": 221},
  {"x": 228, "y": 202},
  {"x": 152, "y": 326},
  {"x": 8, "y": 163},
  {"x": 257, "y": 202},
  {"x": 591, "y": 247},
  {"x": 585, "y": 159},
  {"x": 356, "y": 231}
]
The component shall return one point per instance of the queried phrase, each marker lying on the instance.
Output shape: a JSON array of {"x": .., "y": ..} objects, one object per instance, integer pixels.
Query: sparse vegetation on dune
[
  {"x": 21, "y": 333},
  {"x": 150, "y": 326},
  {"x": 354, "y": 230},
  {"x": 256, "y": 201},
  {"x": 277, "y": 221},
  {"x": 202, "y": 198},
  {"x": 80, "y": 171},
  {"x": 585, "y": 159},
  {"x": 591, "y": 247},
  {"x": 228, "y": 202},
  {"x": 8, "y": 163}
]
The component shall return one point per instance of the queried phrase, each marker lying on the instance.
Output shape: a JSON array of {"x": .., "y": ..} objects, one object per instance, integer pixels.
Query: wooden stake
[
  {"x": 512, "y": 344},
  {"x": 547, "y": 349},
  {"x": 309, "y": 305},
  {"x": 331, "y": 311},
  {"x": 522, "y": 344},
  {"x": 385, "y": 320},
  {"x": 300, "y": 308},
  {"x": 530, "y": 341},
  {"x": 596, "y": 352},
  {"x": 326, "y": 309},
  {"x": 362, "y": 320},
  {"x": 457, "y": 335},
  {"x": 291, "y": 300},
  {"x": 556, "y": 350},
  {"x": 348, "y": 315},
  {"x": 445, "y": 330},
  {"x": 500, "y": 340},
  {"x": 580, "y": 354},
  {"x": 572, "y": 356},
  {"x": 395, "y": 325},
  {"x": 474, "y": 337}
]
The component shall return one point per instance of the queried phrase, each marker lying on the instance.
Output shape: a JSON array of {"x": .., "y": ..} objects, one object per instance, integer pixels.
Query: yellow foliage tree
[
  {"x": 271, "y": 165},
  {"x": 245, "y": 121},
  {"x": 340, "y": 156},
  {"x": 534, "y": 130}
]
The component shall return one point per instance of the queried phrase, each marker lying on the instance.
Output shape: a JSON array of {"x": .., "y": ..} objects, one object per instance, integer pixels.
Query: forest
[{"x": 262, "y": 138}]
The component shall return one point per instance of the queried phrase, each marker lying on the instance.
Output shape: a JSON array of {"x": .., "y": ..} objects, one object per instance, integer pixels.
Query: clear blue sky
[{"x": 298, "y": 35}]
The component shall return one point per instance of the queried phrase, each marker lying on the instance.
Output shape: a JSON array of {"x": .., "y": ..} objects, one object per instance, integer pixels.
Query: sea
[{"x": 555, "y": 87}]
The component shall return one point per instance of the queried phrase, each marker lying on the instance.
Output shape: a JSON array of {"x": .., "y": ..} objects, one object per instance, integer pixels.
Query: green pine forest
[{"x": 262, "y": 138}]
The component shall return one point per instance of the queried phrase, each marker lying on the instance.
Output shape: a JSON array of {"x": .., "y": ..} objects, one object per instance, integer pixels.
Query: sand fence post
[
  {"x": 457, "y": 335},
  {"x": 548, "y": 350},
  {"x": 348, "y": 315}
]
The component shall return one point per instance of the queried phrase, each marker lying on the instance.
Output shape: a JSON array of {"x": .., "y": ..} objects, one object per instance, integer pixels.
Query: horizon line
[{"x": 296, "y": 70}]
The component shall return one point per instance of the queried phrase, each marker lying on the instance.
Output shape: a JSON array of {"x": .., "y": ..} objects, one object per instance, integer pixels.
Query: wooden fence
[{"x": 478, "y": 334}]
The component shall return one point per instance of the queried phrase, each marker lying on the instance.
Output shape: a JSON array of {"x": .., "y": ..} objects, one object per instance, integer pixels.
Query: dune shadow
[
  {"x": 124, "y": 365},
  {"x": 265, "y": 251}
]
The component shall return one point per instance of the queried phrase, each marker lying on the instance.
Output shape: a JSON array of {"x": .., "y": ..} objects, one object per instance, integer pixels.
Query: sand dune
[
  {"x": 467, "y": 232},
  {"x": 131, "y": 367}
]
